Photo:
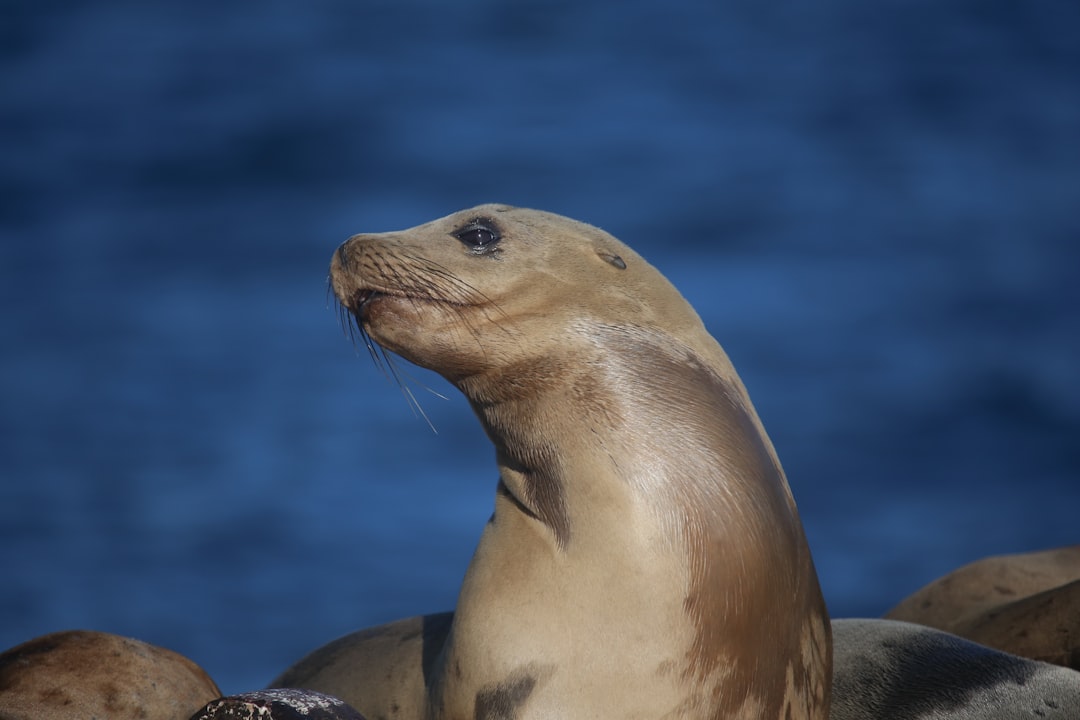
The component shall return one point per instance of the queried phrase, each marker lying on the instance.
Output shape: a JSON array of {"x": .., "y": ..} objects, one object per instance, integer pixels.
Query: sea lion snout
[
  {"x": 341, "y": 257},
  {"x": 342, "y": 270},
  {"x": 346, "y": 280}
]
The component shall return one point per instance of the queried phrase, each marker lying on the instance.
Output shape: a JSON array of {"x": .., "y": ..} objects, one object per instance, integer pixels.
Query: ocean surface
[{"x": 875, "y": 207}]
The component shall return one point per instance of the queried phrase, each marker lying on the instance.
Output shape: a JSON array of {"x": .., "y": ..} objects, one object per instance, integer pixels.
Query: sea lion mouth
[{"x": 362, "y": 297}]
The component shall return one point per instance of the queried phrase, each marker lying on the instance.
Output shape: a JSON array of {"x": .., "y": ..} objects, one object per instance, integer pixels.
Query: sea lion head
[{"x": 496, "y": 286}]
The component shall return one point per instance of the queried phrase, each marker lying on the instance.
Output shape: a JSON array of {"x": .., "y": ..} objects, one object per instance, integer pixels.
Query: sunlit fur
[{"x": 645, "y": 557}]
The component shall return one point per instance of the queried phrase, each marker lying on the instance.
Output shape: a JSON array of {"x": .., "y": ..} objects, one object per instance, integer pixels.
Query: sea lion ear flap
[{"x": 612, "y": 259}]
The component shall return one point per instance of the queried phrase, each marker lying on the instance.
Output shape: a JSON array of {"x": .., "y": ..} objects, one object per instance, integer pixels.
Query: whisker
[
  {"x": 425, "y": 386},
  {"x": 410, "y": 398},
  {"x": 439, "y": 283},
  {"x": 416, "y": 406},
  {"x": 418, "y": 280},
  {"x": 458, "y": 290},
  {"x": 345, "y": 318},
  {"x": 382, "y": 362}
]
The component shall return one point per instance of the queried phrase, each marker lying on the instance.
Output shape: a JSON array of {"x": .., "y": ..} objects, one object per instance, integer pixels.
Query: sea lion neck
[
  {"x": 530, "y": 412},
  {"x": 642, "y": 452},
  {"x": 590, "y": 426}
]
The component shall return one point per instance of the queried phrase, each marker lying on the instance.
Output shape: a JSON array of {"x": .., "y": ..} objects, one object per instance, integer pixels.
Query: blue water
[{"x": 874, "y": 206}]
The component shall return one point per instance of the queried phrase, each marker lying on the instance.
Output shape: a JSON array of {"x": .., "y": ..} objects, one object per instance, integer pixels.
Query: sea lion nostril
[{"x": 361, "y": 298}]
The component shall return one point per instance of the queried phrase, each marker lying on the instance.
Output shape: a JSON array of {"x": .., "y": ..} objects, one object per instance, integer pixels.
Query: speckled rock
[{"x": 278, "y": 704}]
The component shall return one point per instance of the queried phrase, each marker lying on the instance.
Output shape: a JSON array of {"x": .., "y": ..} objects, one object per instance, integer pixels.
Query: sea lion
[
  {"x": 645, "y": 557},
  {"x": 1025, "y": 604},
  {"x": 79, "y": 674},
  {"x": 890, "y": 670},
  {"x": 1044, "y": 626}
]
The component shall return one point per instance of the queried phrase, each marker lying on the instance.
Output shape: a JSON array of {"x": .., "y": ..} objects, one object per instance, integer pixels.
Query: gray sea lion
[
  {"x": 645, "y": 557},
  {"x": 1026, "y": 604},
  {"x": 79, "y": 674},
  {"x": 890, "y": 670}
]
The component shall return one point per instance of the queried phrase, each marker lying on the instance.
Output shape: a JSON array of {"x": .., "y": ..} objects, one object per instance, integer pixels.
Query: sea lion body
[
  {"x": 384, "y": 669},
  {"x": 1027, "y": 604},
  {"x": 891, "y": 670},
  {"x": 645, "y": 557},
  {"x": 79, "y": 674}
]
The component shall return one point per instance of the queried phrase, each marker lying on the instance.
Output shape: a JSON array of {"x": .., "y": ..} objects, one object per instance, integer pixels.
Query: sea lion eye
[{"x": 480, "y": 235}]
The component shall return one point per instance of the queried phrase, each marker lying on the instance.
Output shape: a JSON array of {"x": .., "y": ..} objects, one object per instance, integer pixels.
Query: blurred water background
[{"x": 874, "y": 206}]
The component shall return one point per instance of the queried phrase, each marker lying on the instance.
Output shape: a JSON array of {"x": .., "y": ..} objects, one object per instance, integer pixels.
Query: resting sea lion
[
  {"x": 80, "y": 674},
  {"x": 1026, "y": 604},
  {"x": 645, "y": 557},
  {"x": 889, "y": 670}
]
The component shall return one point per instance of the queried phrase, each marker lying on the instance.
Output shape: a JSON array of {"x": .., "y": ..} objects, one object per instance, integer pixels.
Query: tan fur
[
  {"x": 1027, "y": 604},
  {"x": 79, "y": 674},
  {"x": 645, "y": 558}
]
